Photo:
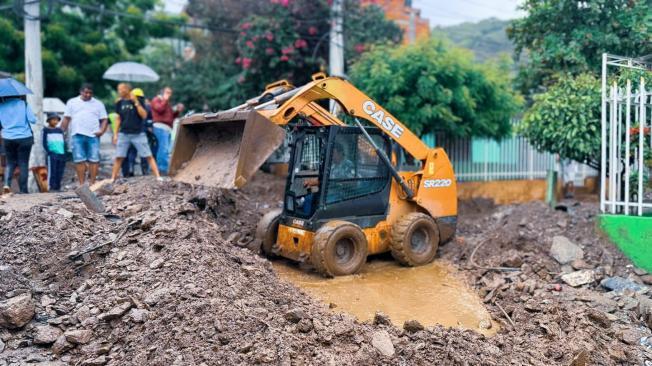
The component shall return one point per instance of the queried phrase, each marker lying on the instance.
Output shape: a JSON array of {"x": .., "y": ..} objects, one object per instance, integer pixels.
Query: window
[{"x": 356, "y": 170}]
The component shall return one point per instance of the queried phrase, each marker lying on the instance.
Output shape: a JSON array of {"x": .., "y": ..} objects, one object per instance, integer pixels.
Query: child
[{"x": 54, "y": 147}]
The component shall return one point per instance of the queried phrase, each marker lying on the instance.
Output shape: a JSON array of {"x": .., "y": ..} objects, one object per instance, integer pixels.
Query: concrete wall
[{"x": 504, "y": 191}]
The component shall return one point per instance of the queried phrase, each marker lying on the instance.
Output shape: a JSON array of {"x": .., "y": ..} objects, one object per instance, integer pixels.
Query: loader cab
[{"x": 335, "y": 172}]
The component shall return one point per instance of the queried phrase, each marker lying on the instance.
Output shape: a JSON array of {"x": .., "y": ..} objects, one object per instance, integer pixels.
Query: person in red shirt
[{"x": 163, "y": 115}]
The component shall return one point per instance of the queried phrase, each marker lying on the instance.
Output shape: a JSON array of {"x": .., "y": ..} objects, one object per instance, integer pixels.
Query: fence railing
[{"x": 480, "y": 159}]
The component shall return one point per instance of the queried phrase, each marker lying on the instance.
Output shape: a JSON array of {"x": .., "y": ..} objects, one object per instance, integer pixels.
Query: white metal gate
[{"x": 626, "y": 163}]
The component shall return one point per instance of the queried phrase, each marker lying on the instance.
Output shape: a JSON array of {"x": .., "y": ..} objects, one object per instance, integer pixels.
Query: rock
[
  {"x": 564, "y": 251},
  {"x": 383, "y": 343},
  {"x": 513, "y": 260},
  {"x": 579, "y": 264},
  {"x": 381, "y": 318},
  {"x": 138, "y": 315},
  {"x": 412, "y": 326},
  {"x": 156, "y": 296},
  {"x": 599, "y": 318},
  {"x": 148, "y": 221},
  {"x": 295, "y": 315},
  {"x": 47, "y": 301},
  {"x": 17, "y": 311},
  {"x": 65, "y": 213},
  {"x": 79, "y": 336},
  {"x": 630, "y": 336},
  {"x": 640, "y": 271},
  {"x": 578, "y": 278},
  {"x": 647, "y": 279},
  {"x": 98, "y": 361},
  {"x": 580, "y": 359},
  {"x": 234, "y": 237},
  {"x": 2, "y": 346},
  {"x": 116, "y": 312},
  {"x": 61, "y": 345},
  {"x": 46, "y": 334},
  {"x": 485, "y": 324},
  {"x": 305, "y": 325},
  {"x": 157, "y": 263},
  {"x": 620, "y": 284}
]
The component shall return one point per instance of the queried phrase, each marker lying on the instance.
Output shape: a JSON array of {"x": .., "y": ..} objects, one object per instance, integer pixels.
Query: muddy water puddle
[{"x": 432, "y": 294}]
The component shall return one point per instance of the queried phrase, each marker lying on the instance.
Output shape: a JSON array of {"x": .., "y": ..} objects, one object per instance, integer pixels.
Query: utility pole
[
  {"x": 34, "y": 81},
  {"x": 336, "y": 49},
  {"x": 412, "y": 27}
]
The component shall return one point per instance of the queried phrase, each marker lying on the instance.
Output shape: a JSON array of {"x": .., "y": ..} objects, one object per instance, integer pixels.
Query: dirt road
[{"x": 173, "y": 283}]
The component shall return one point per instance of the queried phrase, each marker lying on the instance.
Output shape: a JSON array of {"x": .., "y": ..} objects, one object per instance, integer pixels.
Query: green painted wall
[{"x": 632, "y": 235}]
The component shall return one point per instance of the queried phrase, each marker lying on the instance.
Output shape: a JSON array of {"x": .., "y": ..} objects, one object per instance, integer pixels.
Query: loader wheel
[
  {"x": 267, "y": 231},
  {"x": 415, "y": 239},
  {"x": 339, "y": 249}
]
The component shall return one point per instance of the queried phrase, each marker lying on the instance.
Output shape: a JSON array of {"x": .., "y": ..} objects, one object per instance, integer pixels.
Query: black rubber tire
[
  {"x": 267, "y": 231},
  {"x": 415, "y": 239},
  {"x": 339, "y": 249}
]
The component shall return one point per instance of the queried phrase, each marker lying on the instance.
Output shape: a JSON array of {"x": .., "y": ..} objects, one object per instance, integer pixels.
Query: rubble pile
[{"x": 172, "y": 277}]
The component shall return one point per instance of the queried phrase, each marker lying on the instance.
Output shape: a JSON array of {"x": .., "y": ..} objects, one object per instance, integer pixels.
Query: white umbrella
[{"x": 131, "y": 71}]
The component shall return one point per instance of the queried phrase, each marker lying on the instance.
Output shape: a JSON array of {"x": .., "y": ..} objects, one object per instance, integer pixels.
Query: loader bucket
[{"x": 223, "y": 149}]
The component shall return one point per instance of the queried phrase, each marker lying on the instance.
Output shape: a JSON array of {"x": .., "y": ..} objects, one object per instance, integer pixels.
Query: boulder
[
  {"x": 79, "y": 336},
  {"x": 412, "y": 326},
  {"x": 382, "y": 343},
  {"x": 620, "y": 284},
  {"x": 578, "y": 278},
  {"x": 46, "y": 334},
  {"x": 17, "y": 311},
  {"x": 565, "y": 251}
]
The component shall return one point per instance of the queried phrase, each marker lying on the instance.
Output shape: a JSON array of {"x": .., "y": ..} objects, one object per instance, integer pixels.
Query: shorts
[
  {"x": 139, "y": 140},
  {"x": 85, "y": 148}
]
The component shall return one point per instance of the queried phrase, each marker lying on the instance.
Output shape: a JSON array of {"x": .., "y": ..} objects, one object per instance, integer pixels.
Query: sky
[
  {"x": 450, "y": 12},
  {"x": 439, "y": 12}
]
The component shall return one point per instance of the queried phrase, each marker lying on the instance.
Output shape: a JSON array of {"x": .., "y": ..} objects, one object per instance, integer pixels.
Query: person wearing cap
[
  {"x": 53, "y": 144},
  {"x": 131, "y": 130}
]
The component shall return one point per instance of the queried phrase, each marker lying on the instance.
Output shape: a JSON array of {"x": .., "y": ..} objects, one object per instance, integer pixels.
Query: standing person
[
  {"x": 163, "y": 116},
  {"x": 53, "y": 144},
  {"x": 131, "y": 130},
  {"x": 15, "y": 119},
  {"x": 88, "y": 121}
]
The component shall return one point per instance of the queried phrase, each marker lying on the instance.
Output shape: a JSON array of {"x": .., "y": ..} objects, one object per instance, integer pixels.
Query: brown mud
[
  {"x": 177, "y": 281},
  {"x": 431, "y": 294}
]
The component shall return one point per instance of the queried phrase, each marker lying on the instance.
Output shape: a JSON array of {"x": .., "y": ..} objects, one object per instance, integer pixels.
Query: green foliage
[
  {"x": 565, "y": 120},
  {"x": 80, "y": 44},
  {"x": 486, "y": 38},
  {"x": 279, "y": 40},
  {"x": 431, "y": 86},
  {"x": 569, "y": 36}
]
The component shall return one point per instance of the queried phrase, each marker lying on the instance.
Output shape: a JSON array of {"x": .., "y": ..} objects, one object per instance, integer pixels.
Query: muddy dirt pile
[{"x": 169, "y": 279}]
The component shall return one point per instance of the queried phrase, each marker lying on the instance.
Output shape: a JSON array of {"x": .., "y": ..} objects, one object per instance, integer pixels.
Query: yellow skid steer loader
[{"x": 351, "y": 190}]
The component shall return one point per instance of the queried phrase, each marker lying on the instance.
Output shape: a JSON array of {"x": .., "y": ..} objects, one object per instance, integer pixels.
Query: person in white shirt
[{"x": 88, "y": 121}]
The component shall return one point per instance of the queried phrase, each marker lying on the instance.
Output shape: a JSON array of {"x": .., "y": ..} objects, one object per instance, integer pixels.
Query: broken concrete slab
[
  {"x": 383, "y": 343},
  {"x": 578, "y": 278}
]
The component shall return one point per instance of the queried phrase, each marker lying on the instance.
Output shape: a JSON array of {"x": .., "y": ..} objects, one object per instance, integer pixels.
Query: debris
[
  {"x": 295, "y": 315},
  {"x": 116, "y": 311},
  {"x": 98, "y": 361},
  {"x": 412, "y": 326},
  {"x": 90, "y": 200},
  {"x": 61, "y": 345},
  {"x": 578, "y": 278},
  {"x": 599, "y": 317},
  {"x": 79, "y": 336},
  {"x": 381, "y": 318},
  {"x": 65, "y": 213},
  {"x": 580, "y": 359},
  {"x": 620, "y": 284},
  {"x": 383, "y": 343},
  {"x": 17, "y": 311},
  {"x": 46, "y": 334},
  {"x": 564, "y": 251}
]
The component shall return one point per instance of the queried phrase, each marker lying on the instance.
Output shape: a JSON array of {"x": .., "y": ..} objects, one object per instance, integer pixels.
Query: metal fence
[
  {"x": 626, "y": 164},
  {"x": 479, "y": 159}
]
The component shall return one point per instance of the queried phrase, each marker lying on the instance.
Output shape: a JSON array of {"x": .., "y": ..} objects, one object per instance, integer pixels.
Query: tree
[
  {"x": 80, "y": 43},
  {"x": 565, "y": 120},
  {"x": 278, "y": 39},
  {"x": 569, "y": 36},
  {"x": 431, "y": 86}
]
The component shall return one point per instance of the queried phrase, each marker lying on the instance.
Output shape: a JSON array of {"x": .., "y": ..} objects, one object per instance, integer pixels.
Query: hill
[{"x": 486, "y": 38}]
